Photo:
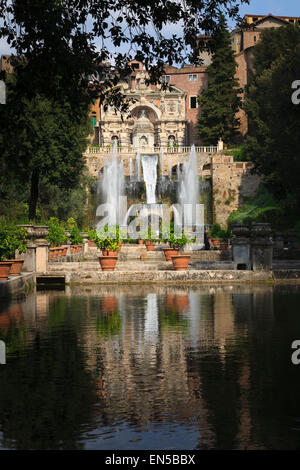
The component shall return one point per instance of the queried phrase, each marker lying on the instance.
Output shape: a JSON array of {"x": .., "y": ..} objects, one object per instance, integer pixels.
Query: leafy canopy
[
  {"x": 220, "y": 102},
  {"x": 274, "y": 121}
]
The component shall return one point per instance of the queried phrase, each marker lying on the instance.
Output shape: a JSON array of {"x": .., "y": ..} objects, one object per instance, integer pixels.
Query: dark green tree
[
  {"x": 274, "y": 120},
  {"x": 43, "y": 138},
  {"x": 220, "y": 102}
]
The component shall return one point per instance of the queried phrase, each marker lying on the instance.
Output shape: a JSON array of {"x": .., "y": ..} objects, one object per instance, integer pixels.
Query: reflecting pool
[{"x": 151, "y": 367}]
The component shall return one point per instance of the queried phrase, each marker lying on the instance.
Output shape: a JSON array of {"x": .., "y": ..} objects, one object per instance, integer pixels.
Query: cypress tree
[{"x": 220, "y": 102}]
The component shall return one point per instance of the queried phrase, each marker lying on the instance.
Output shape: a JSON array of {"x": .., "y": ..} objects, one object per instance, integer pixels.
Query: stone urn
[
  {"x": 240, "y": 230},
  {"x": 261, "y": 230},
  {"x": 181, "y": 262}
]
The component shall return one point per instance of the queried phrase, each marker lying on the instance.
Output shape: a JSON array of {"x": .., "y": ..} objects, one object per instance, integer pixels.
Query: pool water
[{"x": 151, "y": 367}]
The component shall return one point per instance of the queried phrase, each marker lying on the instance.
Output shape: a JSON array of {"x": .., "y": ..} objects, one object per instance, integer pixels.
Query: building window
[
  {"x": 193, "y": 78},
  {"x": 165, "y": 79},
  {"x": 94, "y": 119},
  {"x": 193, "y": 102},
  {"x": 254, "y": 38}
]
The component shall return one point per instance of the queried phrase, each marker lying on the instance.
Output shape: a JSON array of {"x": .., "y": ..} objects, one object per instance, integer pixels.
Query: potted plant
[
  {"x": 175, "y": 243},
  {"x": 148, "y": 240},
  {"x": 215, "y": 235},
  {"x": 224, "y": 235},
  {"x": 12, "y": 238},
  {"x": 109, "y": 246}
]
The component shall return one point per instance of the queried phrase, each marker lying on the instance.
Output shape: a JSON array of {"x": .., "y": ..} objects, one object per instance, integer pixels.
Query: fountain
[
  {"x": 186, "y": 180},
  {"x": 112, "y": 185},
  {"x": 149, "y": 163}
]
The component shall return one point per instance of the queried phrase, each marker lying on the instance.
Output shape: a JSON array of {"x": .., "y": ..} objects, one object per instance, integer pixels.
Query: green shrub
[
  {"x": 57, "y": 234},
  {"x": 215, "y": 230},
  {"x": 12, "y": 238}
]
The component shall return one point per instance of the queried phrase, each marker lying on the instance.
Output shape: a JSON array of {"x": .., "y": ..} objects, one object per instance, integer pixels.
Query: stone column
[
  {"x": 29, "y": 257},
  {"x": 36, "y": 257},
  {"x": 261, "y": 247},
  {"x": 42, "y": 255},
  {"x": 241, "y": 253},
  {"x": 85, "y": 243}
]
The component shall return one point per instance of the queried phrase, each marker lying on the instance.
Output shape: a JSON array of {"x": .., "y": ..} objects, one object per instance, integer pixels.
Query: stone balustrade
[{"x": 97, "y": 149}]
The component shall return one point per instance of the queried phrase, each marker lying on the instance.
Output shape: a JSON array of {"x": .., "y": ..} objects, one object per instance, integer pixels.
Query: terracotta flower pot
[
  {"x": 150, "y": 247},
  {"x": 108, "y": 263},
  {"x": 216, "y": 242},
  {"x": 140, "y": 242},
  {"x": 64, "y": 252},
  {"x": 170, "y": 252},
  {"x": 16, "y": 266},
  {"x": 91, "y": 244},
  {"x": 147, "y": 242},
  {"x": 5, "y": 267},
  {"x": 180, "y": 263},
  {"x": 109, "y": 253}
]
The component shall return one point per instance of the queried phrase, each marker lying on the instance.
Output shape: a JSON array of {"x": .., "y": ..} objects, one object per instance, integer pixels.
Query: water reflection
[{"x": 151, "y": 368}]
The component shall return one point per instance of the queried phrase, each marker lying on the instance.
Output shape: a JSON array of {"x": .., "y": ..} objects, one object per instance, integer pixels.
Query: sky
[{"x": 263, "y": 7}]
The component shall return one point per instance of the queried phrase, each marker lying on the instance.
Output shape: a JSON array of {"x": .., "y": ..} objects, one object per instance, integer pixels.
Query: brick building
[
  {"x": 168, "y": 117},
  {"x": 244, "y": 39}
]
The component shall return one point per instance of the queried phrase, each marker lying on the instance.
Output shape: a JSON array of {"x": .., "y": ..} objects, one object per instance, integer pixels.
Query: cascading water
[
  {"x": 149, "y": 163},
  {"x": 112, "y": 186},
  {"x": 189, "y": 186}
]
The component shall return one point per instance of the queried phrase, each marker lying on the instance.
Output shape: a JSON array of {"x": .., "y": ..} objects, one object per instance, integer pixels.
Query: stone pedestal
[
  {"x": 85, "y": 244},
  {"x": 36, "y": 257},
  {"x": 41, "y": 257},
  {"x": 29, "y": 258},
  {"x": 241, "y": 249},
  {"x": 261, "y": 247},
  {"x": 241, "y": 253},
  {"x": 262, "y": 255}
]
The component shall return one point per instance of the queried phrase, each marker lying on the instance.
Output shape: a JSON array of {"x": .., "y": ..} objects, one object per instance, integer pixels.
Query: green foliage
[
  {"x": 225, "y": 235},
  {"x": 52, "y": 136},
  {"x": 262, "y": 208},
  {"x": 239, "y": 153},
  {"x": 220, "y": 102},
  {"x": 75, "y": 237},
  {"x": 107, "y": 238},
  {"x": 274, "y": 121},
  {"x": 12, "y": 238},
  {"x": 215, "y": 230},
  {"x": 57, "y": 234}
]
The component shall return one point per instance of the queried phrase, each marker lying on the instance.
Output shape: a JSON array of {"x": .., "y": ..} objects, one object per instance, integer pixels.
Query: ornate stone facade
[{"x": 156, "y": 117}]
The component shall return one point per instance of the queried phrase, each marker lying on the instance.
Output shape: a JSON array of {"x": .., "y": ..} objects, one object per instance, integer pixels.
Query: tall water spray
[
  {"x": 189, "y": 185},
  {"x": 112, "y": 185},
  {"x": 149, "y": 163},
  {"x": 188, "y": 193}
]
